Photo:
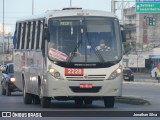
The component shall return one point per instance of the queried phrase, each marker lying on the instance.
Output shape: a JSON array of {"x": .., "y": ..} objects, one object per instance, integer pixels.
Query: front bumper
[{"x": 72, "y": 88}]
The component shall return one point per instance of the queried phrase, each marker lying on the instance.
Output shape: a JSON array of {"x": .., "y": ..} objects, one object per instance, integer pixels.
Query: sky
[{"x": 16, "y": 9}]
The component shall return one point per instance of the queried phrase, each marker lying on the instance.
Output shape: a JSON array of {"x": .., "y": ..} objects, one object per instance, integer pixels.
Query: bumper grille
[{"x": 89, "y": 77}]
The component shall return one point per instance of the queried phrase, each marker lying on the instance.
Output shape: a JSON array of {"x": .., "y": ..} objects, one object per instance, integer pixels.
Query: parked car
[
  {"x": 128, "y": 74},
  {"x": 154, "y": 72},
  {"x": 8, "y": 80}
]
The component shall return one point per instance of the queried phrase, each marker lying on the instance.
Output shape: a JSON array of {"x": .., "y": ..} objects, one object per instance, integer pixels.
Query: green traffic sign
[{"x": 148, "y": 7}]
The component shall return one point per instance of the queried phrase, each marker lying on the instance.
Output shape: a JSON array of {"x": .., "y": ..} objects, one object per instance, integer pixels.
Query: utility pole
[
  {"x": 122, "y": 14},
  {"x": 32, "y": 7},
  {"x": 8, "y": 41},
  {"x": 3, "y": 34},
  {"x": 120, "y": 5},
  {"x": 70, "y": 3},
  {"x": 113, "y": 5}
]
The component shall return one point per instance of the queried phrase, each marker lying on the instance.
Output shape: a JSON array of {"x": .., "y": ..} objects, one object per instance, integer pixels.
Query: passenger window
[
  {"x": 28, "y": 35},
  {"x": 41, "y": 31},
  {"x": 31, "y": 30},
  {"x": 33, "y": 35},
  {"x": 18, "y": 35},
  {"x": 38, "y": 34},
  {"x": 23, "y": 36},
  {"x": 42, "y": 41}
]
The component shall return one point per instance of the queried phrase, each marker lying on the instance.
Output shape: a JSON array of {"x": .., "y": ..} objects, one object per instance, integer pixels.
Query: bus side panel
[
  {"x": 18, "y": 69},
  {"x": 34, "y": 70}
]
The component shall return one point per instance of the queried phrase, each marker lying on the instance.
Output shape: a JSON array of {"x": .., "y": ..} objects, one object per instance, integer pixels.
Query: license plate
[
  {"x": 126, "y": 77},
  {"x": 85, "y": 85},
  {"x": 74, "y": 71}
]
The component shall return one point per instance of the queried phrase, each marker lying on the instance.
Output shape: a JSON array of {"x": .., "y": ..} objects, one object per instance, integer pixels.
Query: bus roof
[{"x": 68, "y": 12}]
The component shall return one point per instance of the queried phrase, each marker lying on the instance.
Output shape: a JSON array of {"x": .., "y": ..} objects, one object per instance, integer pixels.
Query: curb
[
  {"x": 132, "y": 100},
  {"x": 142, "y": 83}
]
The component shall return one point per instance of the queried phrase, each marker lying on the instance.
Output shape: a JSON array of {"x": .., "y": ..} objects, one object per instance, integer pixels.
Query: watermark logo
[{"x": 6, "y": 114}]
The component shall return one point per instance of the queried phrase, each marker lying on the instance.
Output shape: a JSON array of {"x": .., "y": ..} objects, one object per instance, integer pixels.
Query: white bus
[{"x": 57, "y": 56}]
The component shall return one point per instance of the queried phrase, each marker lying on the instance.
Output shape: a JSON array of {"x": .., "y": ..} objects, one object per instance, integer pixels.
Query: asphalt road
[{"x": 145, "y": 90}]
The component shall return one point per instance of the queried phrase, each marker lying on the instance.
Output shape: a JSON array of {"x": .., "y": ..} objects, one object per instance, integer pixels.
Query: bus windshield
[{"x": 84, "y": 40}]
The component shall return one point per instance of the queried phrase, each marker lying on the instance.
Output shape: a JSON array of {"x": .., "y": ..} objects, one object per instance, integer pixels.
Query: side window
[
  {"x": 23, "y": 36},
  {"x": 18, "y": 34},
  {"x": 38, "y": 34},
  {"x": 28, "y": 35},
  {"x": 42, "y": 41},
  {"x": 41, "y": 32},
  {"x": 15, "y": 37},
  {"x": 33, "y": 35}
]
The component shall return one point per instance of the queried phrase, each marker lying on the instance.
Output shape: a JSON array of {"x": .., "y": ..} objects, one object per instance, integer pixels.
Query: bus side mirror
[
  {"x": 123, "y": 33},
  {"x": 46, "y": 34}
]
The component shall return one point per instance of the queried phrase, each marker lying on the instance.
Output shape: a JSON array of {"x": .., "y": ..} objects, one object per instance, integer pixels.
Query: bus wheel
[
  {"x": 36, "y": 99},
  {"x": 8, "y": 92},
  {"x": 109, "y": 101},
  {"x": 46, "y": 102},
  {"x": 78, "y": 101},
  {"x": 26, "y": 96},
  {"x": 88, "y": 101}
]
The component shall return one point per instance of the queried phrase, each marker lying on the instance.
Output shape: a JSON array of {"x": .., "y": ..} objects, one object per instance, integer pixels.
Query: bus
[{"x": 56, "y": 57}]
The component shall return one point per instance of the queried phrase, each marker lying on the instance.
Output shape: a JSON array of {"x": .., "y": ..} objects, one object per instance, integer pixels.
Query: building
[
  {"x": 7, "y": 29},
  {"x": 142, "y": 29},
  {"x": 142, "y": 37}
]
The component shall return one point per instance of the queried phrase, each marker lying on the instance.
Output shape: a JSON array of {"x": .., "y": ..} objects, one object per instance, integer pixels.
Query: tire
[
  {"x": 3, "y": 91},
  {"x": 78, "y": 101},
  {"x": 26, "y": 96},
  {"x": 36, "y": 99},
  {"x": 46, "y": 102},
  {"x": 88, "y": 101},
  {"x": 109, "y": 101},
  {"x": 8, "y": 92}
]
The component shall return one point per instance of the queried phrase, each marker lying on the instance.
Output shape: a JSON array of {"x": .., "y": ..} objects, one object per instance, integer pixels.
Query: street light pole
[
  {"x": 32, "y": 7},
  {"x": 70, "y": 3},
  {"x": 122, "y": 13},
  {"x": 3, "y": 34}
]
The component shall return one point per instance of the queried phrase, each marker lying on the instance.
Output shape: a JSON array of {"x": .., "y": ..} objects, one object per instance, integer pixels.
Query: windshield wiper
[
  {"x": 72, "y": 53},
  {"x": 98, "y": 54}
]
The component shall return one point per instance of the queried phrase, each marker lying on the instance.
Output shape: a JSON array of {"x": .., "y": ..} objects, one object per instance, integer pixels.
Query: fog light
[{"x": 56, "y": 74}]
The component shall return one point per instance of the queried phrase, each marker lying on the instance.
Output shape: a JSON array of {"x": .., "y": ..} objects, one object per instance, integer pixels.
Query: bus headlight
[
  {"x": 115, "y": 73},
  {"x": 51, "y": 70},
  {"x": 13, "y": 79},
  {"x": 55, "y": 73}
]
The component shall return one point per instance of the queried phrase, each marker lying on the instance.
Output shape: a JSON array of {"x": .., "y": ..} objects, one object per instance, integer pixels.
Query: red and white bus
[{"x": 57, "y": 56}]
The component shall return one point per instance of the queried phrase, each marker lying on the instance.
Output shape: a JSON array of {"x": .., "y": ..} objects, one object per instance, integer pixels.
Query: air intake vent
[{"x": 72, "y": 8}]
